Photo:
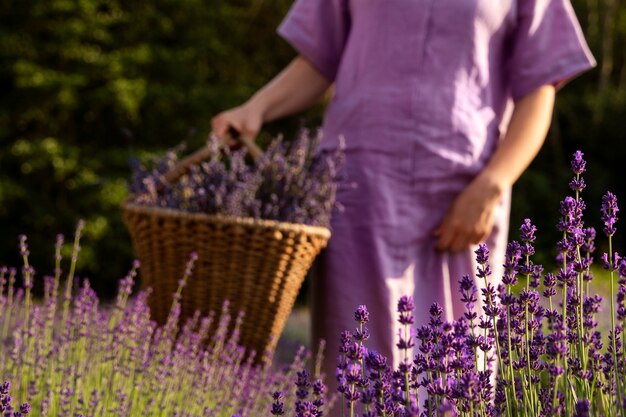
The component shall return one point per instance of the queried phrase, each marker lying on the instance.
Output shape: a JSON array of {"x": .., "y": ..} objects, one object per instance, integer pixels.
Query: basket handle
[{"x": 203, "y": 153}]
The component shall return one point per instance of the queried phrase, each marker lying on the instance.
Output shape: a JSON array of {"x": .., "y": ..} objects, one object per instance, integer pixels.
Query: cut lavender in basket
[{"x": 292, "y": 182}]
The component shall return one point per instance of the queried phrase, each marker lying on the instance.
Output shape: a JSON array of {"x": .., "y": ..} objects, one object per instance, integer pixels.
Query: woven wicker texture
[{"x": 257, "y": 265}]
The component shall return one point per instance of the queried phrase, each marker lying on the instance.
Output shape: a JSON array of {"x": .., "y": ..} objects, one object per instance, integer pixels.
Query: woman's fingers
[
  {"x": 220, "y": 124},
  {"x": 244, "y": 120},
  {"x": 463, "y": 227}
]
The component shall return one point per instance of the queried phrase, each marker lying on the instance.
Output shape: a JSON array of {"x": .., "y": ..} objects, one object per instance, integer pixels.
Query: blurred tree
[{"x": 87, "y": 83}]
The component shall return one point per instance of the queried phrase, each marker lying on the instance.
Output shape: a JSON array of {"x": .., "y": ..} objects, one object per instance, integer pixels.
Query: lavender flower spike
[
  {"x": 278, "y": 406},
  {"x": 361, "y": 314},
  {"x": 23, "y": 245},
  {"x": 578, "y": 166},
  {"x": 578, "y": 163},
  {"x": 405, "y": 308},
  {"x": 609, "y": 213}
]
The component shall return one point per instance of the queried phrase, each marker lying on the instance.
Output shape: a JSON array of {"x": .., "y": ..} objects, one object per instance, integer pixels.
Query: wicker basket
[{"x": 257, "y": 265}]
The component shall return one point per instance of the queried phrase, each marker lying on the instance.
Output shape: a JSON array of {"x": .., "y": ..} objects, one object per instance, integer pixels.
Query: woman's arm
[
  {"x": 294, "y": 89},
  {"x": 470, "y": 218}
]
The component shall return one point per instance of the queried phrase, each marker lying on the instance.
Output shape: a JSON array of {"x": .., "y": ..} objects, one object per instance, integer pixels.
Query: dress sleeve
[
  {"x": 318, "y": 30},
  {"x": 548, "y": 46}
]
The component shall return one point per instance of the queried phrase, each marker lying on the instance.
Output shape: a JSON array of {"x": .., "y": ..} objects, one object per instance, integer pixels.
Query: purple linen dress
[{"x": 423, "y": 94}]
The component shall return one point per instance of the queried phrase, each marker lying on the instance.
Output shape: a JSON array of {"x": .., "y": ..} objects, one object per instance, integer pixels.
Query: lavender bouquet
[
  {"x": 69, "y": 356},
  {"x": 292, "y": 182},
  {"x": 535, "y": 349}
]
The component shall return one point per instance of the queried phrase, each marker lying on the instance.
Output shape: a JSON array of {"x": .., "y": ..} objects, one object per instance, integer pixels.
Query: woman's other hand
[{"x": 470, "y": 219}]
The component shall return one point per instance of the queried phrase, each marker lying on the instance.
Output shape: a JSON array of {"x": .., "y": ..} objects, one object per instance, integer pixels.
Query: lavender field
[{"x": 540, "y": 343}]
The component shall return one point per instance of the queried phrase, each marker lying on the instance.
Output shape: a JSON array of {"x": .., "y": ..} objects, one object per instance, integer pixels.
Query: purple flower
[
  {"x": 23, "y": 245},
  {"x": 609, "y": 213},
  {"x": 361, "y": 335},
  {"x": 447, "y": 409},
  {"x": 25, "y": 408},
  {"x": 319, "y": 388},
  {"x": 577, "y": 184},
  {"x": 306, "y": 409},
  {"x": 582, "y": 408},
  {"x": 435, "y": 315},
  {"x": 376, "y": 361},
  {"x": 278, "y": 406},
  {"x": 578, "y": 163},
  {"x": 482, "y": 254},
  {"x": 512, "y": 258},
  {"x": 614, "y": 266},
  {"x": 345, "y": 340},
  {"x": 303, "y": 385},
  {"x": 361, "y": 315},
  {"x": 405, "y": 310},
  {"x": 405, "y": 343},
  {"x": 356, "y": 352},
  {"x": 527, "y": 232},
  {"x": 353, "y": 373}
]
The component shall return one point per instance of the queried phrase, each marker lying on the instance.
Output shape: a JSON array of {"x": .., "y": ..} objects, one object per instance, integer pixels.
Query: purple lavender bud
[
  {"x": 23, "y": 245},
  {"x": 352, "y": 395},
  {"x": 447, "y": 409},
  {"x": 303, "y": 384},
  {"x": 577, "y": 184},
  {"x": 436, "y": 311},
  {"x": 356, "y": 351},
  {"x": 482, "y": 254},
  {"x": 25, "y": 408},
  {"x": 527, "y": 232},
  {"x": 361, "y": 314},
  {"x": 405, "y": 304},
  {"x": 353, "y": 373},
  {"x": 361, "y": 335},
  {"x": 59, "y": 240},
  {"x": 616, "y": 261},
  {"x": 278, "y": 406},
  {"x": 466, "y": 283},
  {"x": 512, "y": 258},
  {"x": 582, "y": 408},
  {"x": 319, "y": 388},
  {"x": 306, "y": 409},
  {"x": 549, "y": 280},
  {"x": 609, "y": 213},
  {"x": 405, "y": 344},
  {"x": 405, "y": 310},
  {"x": 345, "y": 340},
  {"x": 590, "y": 237},
  {"x": 578, "y": 163},
  {"x": 622, "y": 268},
  {"x": 376, "y": 361}
]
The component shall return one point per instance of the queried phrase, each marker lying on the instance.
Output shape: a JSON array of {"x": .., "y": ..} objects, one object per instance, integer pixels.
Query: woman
[{"x": 443, "y": 104}]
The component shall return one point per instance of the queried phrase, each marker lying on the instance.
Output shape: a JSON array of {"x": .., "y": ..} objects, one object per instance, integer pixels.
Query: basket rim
[{"x": 321, "y": 231}]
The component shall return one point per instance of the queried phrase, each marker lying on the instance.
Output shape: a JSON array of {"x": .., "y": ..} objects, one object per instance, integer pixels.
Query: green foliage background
[{"x": 84, "y": 84}]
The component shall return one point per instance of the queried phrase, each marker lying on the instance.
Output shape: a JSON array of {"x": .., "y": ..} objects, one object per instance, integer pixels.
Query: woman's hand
[
  {"x": 470, "y": 218},
  {"x": 246, "y": 120},
  {"x": 296, "y": 88}
]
